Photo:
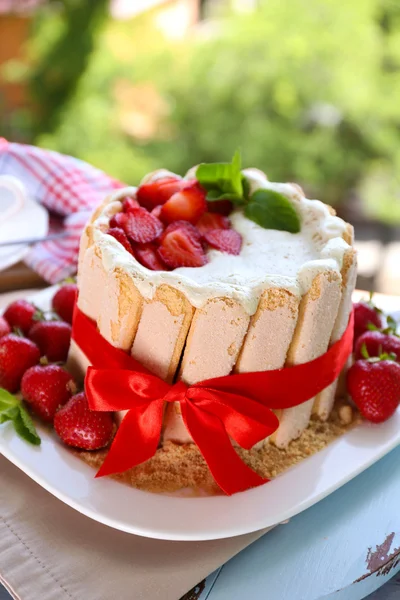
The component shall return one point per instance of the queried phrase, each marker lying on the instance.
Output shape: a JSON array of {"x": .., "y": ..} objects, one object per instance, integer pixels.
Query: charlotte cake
[{"x": 279, "y": 299}]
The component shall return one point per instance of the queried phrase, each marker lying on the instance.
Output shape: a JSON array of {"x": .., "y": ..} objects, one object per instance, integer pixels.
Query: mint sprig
[
  {"x": 11, "y": 409},
  {"x": 267, "y": 208},
  {"x": 272, "y": 210},
  {"x": 223, "y": 181}
]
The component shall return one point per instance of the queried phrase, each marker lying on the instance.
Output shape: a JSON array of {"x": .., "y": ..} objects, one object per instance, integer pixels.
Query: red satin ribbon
[{"x": 215, "y": 410}]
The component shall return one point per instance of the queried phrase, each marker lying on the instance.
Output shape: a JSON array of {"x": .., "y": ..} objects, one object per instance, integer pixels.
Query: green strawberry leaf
[
  {"x": 364, "y": 351},
  {"x": 18, "y": 331},
  {"x": 38, "y": 315},
  {"x": 11, "y": 409},
  {"x": 391, "y": 328},
  {"x": 223, "y": 181},
  {"x": 272, "y": 210}
]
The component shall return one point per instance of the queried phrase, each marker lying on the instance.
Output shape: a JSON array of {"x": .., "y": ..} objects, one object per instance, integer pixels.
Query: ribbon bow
[{"x": 215, "y": 410}]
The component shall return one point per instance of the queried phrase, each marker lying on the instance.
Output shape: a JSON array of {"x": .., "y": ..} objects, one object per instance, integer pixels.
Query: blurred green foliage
[
  {"x": 62, "y": 50},
  {"x": 310, "y": 92}
]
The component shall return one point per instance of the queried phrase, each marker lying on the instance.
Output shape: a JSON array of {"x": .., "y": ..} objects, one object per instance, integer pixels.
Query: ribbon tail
[
  {"x": 136, "y": 440},
  {"x": 209, "y": 434}
]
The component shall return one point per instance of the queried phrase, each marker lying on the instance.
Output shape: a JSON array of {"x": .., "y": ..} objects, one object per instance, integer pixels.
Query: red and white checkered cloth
[{"x": 69, "y": 188}]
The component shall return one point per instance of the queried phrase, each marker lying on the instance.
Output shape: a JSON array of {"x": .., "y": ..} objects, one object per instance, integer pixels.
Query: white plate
[
  {"x": 175, "y": 518},
  {"x": 31, "y": 221}
]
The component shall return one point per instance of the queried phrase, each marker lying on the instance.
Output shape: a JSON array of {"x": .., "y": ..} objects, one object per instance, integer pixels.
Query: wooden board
[{"x": 343, "y": 548}]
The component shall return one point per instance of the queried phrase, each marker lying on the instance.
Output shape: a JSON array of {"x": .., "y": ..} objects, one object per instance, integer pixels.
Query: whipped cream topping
[{"x": 268, "y": 258}]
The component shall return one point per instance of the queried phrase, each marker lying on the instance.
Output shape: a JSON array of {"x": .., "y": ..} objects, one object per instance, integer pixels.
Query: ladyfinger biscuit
[
  {"x": 92, "y": 283},
  {"x": 91, "y": 289},
  {"x": 120, "y": 309},
  {"x": 270, "y": 332},
  {"x": 162, "y": 331},
  {"x": 214, "y": 341},
  {"x": 317, "y": 314},
  {"x": 213, "y": 344},
  {"x": 324, "y": 401},
  {"x": 107, "y": 209},
  {"x": 84, "y": 244}
]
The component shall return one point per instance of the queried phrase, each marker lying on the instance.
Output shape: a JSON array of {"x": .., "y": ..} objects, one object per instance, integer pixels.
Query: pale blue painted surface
[{"x": 321, "y": 553}]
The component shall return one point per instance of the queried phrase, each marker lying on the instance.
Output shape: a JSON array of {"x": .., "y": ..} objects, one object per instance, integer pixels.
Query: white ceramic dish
[
  {"x": 30, "y": 221},
  {"x": 176, "y": 518}
]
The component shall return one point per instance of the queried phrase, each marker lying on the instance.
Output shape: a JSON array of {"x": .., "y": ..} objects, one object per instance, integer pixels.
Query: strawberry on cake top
[{"x": 219, "y": 271}]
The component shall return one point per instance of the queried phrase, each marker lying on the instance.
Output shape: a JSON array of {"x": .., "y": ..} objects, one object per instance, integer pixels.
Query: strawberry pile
[
  {"x": 31, "y": 350},
  {"x": 170, "y": 224},
  {"x": 373, "y": 381}
]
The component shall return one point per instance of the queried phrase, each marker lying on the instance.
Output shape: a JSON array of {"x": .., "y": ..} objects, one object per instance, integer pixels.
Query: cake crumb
[
  {"x": 345, "y": 414},
  {"x": 175, "y": 468},
  {"x": 232, "y": 349}
]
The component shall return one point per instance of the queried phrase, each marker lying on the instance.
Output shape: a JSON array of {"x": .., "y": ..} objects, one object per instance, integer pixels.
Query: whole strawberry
[
  {"x": 376, "y": 343},
  {"x": 80, "y": 427},
  {"x": 64, "y": 301},
  {"x": 374, "y": 385},
  {"x": 17, "y": 354},
  {"x": 53, "y": 339},
  {"x": 4, "y": 327},
  {"x": 20, "y": 314},
  {"x": 365, "y": 313},
  {"x": 45, "y": 388}
]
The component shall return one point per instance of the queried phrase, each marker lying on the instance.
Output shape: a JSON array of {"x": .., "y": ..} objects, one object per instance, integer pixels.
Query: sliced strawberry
[
  {"x": 157, "y": 192},
  {"x": 209, "y": 221},
  {"x": 129, "y": 203},
  {"x": 187, "y": 205},
  {"x": 226, "y": 240},
  {"x": 222, "y": 207},
  {"x": 190, "y": 229},
  {"x": 121, "y": 237},
  {"x": 148, "y": 256},
  {"x": 179, "y": 248},
  {"x": 157, "y": 211},
  {"x": 141, "y": 226},
  {"x": 118, "y": 220}
]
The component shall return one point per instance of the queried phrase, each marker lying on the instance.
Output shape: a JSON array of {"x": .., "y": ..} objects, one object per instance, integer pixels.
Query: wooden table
[
  {"x": 344, "y": 548},
  {"x": 19, "y": 277}
]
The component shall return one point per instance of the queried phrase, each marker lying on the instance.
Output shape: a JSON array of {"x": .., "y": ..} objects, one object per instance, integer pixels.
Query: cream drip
[{"x": 268, "y": 258}]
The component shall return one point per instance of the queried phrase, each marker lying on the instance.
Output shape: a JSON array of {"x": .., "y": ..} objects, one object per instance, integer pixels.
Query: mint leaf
[
  {"x": 214, "y": 195},
  {"x": 7, "y": 400},
  {"x": 246, "y": 188},
  {"x": 236, "y": 173},
  {"x": 25, "y": 428},
  {"x": 11, "y": 409},
  {"x": 272, "y": 210},
  {"x": 223, "y": 181},
  {"x": 9, "y": 414}
]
